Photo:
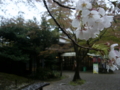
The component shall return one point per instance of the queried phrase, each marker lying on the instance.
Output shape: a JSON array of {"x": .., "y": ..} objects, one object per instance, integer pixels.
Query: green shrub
[{"x": 46, "y": 74}]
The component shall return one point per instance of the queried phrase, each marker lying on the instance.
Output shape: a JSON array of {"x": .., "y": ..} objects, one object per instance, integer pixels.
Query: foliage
[
  {"x": 102, "y": 47},
  {"x": 28, "y": 40},
  {"x": 13, "y": 53},
  {"x": 26, "y": 37},
  {"x": 11, "y": 31},
  {"x": 61, "y": 14},
  {"x": 111, "y": 36},
  {"x": 46, "y": 74}
]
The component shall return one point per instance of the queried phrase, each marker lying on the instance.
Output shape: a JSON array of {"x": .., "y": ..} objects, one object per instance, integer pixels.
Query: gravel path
[{"x": 93, "y": 82}]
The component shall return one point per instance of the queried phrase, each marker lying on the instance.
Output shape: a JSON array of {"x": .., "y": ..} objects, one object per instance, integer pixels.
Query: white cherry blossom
[
  {"x": 78, "y": 33},
  {"x": 101, "y": 11},
  {"x": 92, "y": 19},
  {"x": 86, "y": 33},
  {"x": 83, "y": 4},
  {"x": 90, "y": 16},
  {"x": 76, "y": 22},
  {"x": 98, "y": 25},
  {"x": 107, "y": 21}
]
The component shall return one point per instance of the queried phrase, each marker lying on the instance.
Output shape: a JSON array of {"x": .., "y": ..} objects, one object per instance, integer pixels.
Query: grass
[
  {"x": 78, "y": 82},
  {"x": 9, "y": 81}
]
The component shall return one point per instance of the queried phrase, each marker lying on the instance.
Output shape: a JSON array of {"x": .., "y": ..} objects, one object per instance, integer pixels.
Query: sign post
[{"x": 95, "y": 68}]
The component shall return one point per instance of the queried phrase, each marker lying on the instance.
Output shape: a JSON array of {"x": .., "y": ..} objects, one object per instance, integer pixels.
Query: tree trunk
[
  {"x": 76, "y": 75},
  {"x": 77, "y": 69},
  {"x": 80, "y": 55}
]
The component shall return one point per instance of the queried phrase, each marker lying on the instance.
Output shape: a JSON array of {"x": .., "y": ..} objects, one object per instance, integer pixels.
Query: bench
[{"x": 36, "y": 86}]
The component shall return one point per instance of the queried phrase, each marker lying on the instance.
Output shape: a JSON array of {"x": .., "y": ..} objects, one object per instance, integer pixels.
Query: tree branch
[
  {"x": 99, "y": 37},
  {"x": 44, "y": 1},
  {"x": 62, "y": 5}
]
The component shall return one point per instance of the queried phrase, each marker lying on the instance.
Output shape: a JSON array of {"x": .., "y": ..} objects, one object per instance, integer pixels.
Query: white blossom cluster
[{"x": 90, "y": 19}]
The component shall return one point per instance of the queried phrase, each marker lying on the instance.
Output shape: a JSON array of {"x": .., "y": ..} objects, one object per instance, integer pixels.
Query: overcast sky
[{"x": 11, "y": 8}]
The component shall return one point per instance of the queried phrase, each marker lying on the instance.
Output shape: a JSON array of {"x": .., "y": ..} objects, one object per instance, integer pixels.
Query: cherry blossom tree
[{"x": 91, "y": 18}]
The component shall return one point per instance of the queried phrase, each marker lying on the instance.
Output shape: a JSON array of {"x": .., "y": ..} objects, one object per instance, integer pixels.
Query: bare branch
[{"x": 63, "y": 5}]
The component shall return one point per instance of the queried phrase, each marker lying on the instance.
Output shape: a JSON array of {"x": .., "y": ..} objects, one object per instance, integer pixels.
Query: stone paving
[{"x": 93, "y": 82}]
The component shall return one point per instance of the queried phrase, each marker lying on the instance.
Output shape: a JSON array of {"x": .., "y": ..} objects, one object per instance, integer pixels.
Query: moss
[
  {"x": 56, "y": 79},
  {"x": 78, "y": 82}
]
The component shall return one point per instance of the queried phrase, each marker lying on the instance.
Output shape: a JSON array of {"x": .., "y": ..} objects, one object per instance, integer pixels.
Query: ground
[
  {"x": 93, "y": 82},
  {"x": 12, "y": 82}
]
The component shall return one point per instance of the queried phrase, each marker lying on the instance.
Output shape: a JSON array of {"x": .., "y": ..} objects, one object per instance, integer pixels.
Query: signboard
[{"x": 95, "y": 68}]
